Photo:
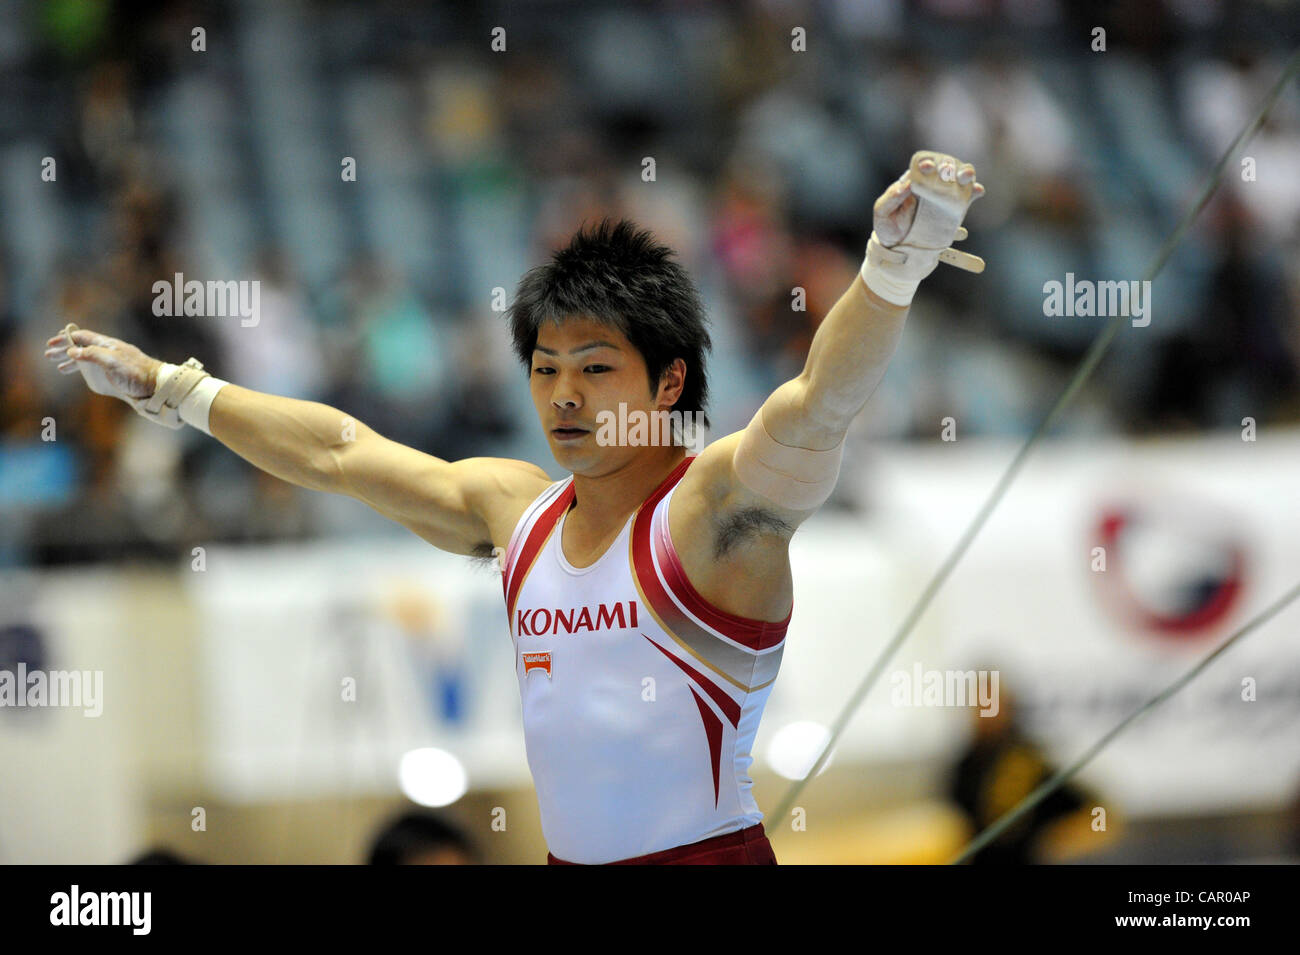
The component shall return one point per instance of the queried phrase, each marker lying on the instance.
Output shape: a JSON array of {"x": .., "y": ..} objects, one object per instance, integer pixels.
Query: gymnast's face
[{"x": 581, "y": 368}]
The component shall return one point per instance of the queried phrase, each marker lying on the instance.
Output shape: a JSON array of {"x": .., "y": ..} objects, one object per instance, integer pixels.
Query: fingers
[
  {"x": 73, "y": 344},
  {"x": 64, "y": 335},
  {"x": 948, "y": 169},
  {"x": 65, "y": 355},
  {"x": 81, "y": 336},
  {"x": 944, "y": 178},
  {"x": 96, "y": 353},
  {"x": 75, "y": 353},
  {"x": 62, "y": 340},
  {"x": 64, "y": 349},
  {"x": 63, "y": 332},
  {"x": 58, "y": 351},
  {"x": 84, "y": 336},
  {"x": 895, "y": 196}
]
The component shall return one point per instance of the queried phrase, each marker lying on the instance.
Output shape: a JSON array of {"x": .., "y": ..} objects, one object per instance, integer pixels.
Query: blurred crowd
[{"x": 222, "y": 154}]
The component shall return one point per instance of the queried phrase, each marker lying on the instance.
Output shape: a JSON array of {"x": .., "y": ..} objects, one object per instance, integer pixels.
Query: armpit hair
[
  {"x": 745, "y": 523},
  {"x": 483, "y": 557}
]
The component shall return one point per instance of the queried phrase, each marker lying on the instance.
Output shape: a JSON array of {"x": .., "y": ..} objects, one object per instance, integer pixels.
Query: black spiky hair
[{"x": 618, "y": 274}]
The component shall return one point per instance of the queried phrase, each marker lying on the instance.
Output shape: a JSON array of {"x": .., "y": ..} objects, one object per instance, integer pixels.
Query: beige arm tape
[
  {"x": 791, "y": 477},
  {"x": 196, "y": 406}
]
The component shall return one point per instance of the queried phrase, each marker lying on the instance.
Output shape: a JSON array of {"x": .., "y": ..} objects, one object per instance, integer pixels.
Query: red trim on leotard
[
  {"x": 537, "y": 536},
  {"x": 729, "y": 707},
  {"x": 747, "y": 631},
  {"x": 753, "y": 633},
  {"x": 713, "y": 730}
]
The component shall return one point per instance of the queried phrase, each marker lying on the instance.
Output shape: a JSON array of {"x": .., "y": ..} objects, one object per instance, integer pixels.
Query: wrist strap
[
  {"x": 895, "y": 273},
  {"x": 174, "y": 402},
  {"x": 880, "y": 271}
]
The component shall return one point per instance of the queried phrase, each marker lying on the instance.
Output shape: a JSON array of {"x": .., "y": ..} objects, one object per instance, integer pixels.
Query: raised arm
[
  {"x": 786, "y": 460},
  {"x": 846, "y": 361},
  {"x": 739, "y": 504},
  {"x": 919, "y": 215},
  {"x": 464, "y": 507}
]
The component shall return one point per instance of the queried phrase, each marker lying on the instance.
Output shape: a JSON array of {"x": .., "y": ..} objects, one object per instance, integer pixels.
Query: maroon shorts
[{"x": 746, "y": 847}]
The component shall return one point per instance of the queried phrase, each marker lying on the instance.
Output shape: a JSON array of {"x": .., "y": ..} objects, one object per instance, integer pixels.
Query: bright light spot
[
  {"x": 432, "y": 777},
  {"x": 795, "y": 747}
]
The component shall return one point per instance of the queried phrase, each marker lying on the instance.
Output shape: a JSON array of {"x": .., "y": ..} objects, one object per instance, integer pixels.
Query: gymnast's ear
[{"x": 672, "y": 382}]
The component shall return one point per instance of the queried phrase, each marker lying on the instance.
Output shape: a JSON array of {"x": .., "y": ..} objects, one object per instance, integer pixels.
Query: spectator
[
  {"x": 1000, "y": 768},
  {"x": 421, "y": 838}
]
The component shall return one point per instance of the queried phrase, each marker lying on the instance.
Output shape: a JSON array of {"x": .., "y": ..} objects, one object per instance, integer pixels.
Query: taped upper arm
[
  {"x": 797, "y": 479},
  {"x": 720, "y": 500},
  {"x": 749, "y": 468}
]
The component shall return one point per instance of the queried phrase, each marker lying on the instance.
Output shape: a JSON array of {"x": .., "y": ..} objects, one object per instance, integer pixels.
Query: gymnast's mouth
[{"x": 569, "y": 433}]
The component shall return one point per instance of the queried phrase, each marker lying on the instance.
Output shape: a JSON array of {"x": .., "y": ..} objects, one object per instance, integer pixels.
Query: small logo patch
[{"x": 537, "y": 661}]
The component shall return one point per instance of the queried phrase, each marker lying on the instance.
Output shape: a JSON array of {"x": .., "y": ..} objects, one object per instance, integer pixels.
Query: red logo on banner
[
  {"x": 537, "y": 661},
  {"x": 1175, "y": 569}
]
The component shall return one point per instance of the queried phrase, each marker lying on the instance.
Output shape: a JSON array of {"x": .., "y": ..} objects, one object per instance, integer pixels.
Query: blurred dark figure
[
  {"x": 1236, "y": 360},
  {"x": 420, "y": 838},
  {"x": 1000, "y": 768},
  {"x": 160, "y": 856}
]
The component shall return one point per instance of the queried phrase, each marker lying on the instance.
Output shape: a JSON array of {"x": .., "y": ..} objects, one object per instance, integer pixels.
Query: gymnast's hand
[
  {"x": 937, "y": 178},
  {"x": 914, "y": 223},
  {"x": 110, "y": 366}
]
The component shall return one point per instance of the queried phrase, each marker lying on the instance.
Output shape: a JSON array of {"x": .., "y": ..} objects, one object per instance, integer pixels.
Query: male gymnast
[{"x": 648, "y": 594}]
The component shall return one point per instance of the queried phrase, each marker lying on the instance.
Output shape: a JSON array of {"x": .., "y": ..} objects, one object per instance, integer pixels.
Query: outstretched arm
[
  {"x": 454, "y": 505},
  {"x": 459, "y": 506}
]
